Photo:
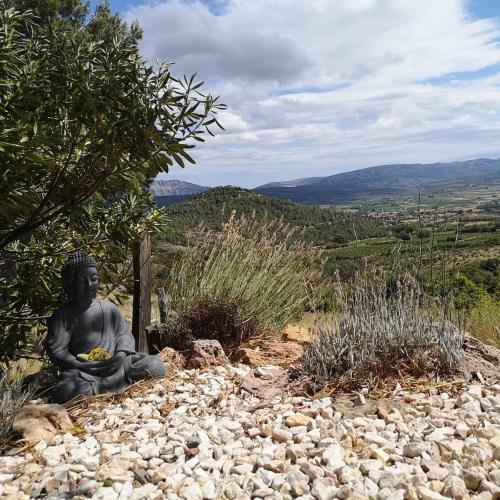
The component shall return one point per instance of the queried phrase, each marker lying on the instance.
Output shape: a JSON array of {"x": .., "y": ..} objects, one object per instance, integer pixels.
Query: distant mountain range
[
  {"x": 175, "y": 188},
  {"x": 386, "y": 181},
  {"x": 360, "y": 185},
  {"x": 169, "y": 192}
]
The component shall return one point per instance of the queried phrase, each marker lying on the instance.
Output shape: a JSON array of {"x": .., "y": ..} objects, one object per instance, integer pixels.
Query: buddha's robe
[{"x": 101, "y": 325}]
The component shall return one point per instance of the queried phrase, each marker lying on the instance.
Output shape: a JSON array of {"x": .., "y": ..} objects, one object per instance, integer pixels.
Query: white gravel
[{"x": 432, "y": 447}]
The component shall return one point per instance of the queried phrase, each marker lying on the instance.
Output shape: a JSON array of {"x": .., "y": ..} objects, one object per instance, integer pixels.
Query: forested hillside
[{"x": 323, "y": 227}]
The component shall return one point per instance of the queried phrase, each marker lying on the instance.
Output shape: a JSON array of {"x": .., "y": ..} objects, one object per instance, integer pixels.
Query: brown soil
[
  {"x": 266, "y": 352},
  {"x": 297, "y": 333}
]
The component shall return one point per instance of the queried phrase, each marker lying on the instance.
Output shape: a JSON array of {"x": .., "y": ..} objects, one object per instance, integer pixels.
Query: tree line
[{"x": 323, "y": 227}]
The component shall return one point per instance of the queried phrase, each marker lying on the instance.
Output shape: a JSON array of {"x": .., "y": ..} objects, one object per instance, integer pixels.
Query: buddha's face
[{"x": 85, "y": 284}]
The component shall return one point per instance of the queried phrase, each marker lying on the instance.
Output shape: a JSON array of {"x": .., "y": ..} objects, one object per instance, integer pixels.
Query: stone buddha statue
[{"x": 84, "y": 324}]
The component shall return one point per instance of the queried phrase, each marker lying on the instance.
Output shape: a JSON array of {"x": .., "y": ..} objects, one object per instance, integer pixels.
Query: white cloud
[{"x": 381, "y": 66}]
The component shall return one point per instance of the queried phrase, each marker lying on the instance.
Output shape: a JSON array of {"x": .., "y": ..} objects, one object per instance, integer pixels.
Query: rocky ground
[{"x": 203, "y": 436}]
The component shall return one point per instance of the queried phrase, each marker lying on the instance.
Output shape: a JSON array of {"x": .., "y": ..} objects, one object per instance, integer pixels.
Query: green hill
[{"x": 321, "y": 226}]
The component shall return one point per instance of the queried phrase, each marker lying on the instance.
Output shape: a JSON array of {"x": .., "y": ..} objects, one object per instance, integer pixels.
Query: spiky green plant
[
  {"x": 13, "y": 396},
  {"x": 375, "y": 331}
]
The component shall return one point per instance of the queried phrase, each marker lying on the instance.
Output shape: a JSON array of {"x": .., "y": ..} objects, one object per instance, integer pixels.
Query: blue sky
[
  {"x": 485, "y": 8},
  {"x": 316, "y": 87},
  {"x": 479, "y": 8},
  {"x": 217, "y": 7}
]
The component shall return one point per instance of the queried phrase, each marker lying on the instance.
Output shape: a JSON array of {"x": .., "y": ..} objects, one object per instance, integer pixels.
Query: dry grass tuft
[
  {"x": 83, "y": 407},
  {"x": 173, "y": 360},
  {"x": 224, "y": 321},
  {"x": 483, "y": 321},
  {"x": 250, "y": 279}
]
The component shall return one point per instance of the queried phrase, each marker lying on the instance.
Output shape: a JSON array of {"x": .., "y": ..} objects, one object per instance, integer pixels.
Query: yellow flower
[{"x": 98, "y": 354}]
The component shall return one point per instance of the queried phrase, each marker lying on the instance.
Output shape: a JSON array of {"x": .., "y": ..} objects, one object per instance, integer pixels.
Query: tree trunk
[{"x": 141, "y": 318}]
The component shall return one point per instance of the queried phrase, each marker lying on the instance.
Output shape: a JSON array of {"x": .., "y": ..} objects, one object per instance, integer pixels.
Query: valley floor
[{"x": 199, "y": 435}]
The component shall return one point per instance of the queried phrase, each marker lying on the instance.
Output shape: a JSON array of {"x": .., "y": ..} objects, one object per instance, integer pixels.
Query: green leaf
[{"x": 41, "y": 160}]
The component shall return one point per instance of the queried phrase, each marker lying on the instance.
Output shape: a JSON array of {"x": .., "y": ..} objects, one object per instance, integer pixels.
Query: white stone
[
  {"x": 494, "y": 476},
  {"x": 324, "y": 488},
  {"x": 312, "y": 471},
  {"x": 281, "y": 435},
  {"x": 348, "y": 475},
  {"x": 333, "y": 456},
  {"x": 232, "y": 490},
  {"x": 91, "y": 442},
  {"x": 191, "y": 491},
  {"x": 148, "y": 451},
  {"x": 365, "y": 466},
  {"x": 149, "y": 491},
  {"x": 242, "y": 469},
  {"x": 473, "y": 476},
  {"x": 175, "y": 481},
  {"x": 360, "y": 400},
  {"x": 455, "y": 488},
  {"x": 436, "y": 473},
  {"x": 472, "y": 407},
  {"x": 262, "y": 492},
  {"x": 370, "y": 486},
  {"x": 53, "y": 454},
  {"x": 104, "y": 493},
  {"x": 209, "y": 491},
  {"x": 413, "y": 450},
  {"x": 388, "y": 494},
  {"x": 126, "y": 491},
  {"x": 425, "y": 493},
  {"x": 462, "y": 429},
  {"x": 298, "y": 482},
  {"x": 381, "y": 455},
  {"x": 296, "y": 451},
  {"x": 388, "y": 479},
  {"x": 86, "y": 487},
  {"x": 267, "y": 372}
]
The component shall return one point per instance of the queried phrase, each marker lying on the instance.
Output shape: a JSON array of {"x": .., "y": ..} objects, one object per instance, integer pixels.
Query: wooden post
[
  {"x": 162, "y": 304},
  {"x": 141, "y": 318}
]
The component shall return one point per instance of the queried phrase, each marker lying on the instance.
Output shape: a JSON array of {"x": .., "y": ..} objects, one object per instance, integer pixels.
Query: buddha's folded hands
[{"x": 104, "y": 367}]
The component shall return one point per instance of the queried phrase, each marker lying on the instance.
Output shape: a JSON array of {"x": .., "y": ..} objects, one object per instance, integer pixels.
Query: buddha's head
[{"x": 80, "y": 277}]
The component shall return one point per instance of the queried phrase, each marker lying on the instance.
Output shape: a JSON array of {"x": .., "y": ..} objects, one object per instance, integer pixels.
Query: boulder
[
  {"x": 205, "y": 353},
  {"x": 480, "y": 358},
  {"x": 268, "y": 386},
  {"x": 35, "y": 423}
]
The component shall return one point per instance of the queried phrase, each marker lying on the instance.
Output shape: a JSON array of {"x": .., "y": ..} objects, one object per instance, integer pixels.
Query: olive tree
[{"x": 85, "y": 125}]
